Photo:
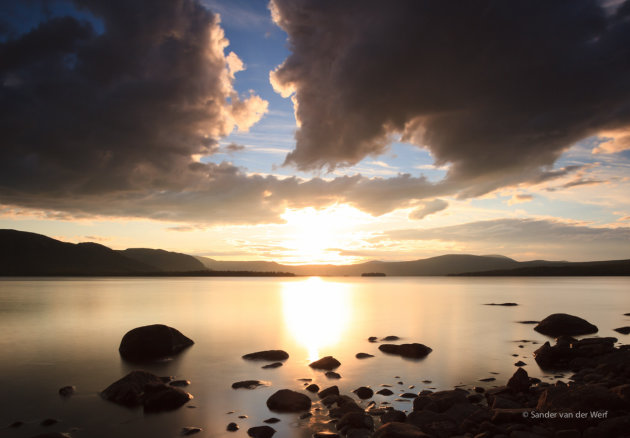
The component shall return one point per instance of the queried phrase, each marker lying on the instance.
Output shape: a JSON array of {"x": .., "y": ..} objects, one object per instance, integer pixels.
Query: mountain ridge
[{"x": 30, "y": 254}]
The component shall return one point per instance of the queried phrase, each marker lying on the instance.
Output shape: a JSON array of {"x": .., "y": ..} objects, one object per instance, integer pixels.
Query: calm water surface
[{"x": 57, "y": 332}]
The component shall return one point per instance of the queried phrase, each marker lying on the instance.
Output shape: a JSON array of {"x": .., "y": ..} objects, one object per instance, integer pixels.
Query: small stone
[
  {"x": 520, "y": 363},
  {"x": 286, "y": 400},
  {"x": 67, "y": 391},
  {"x": 180, "y": 383},
  {"x": 363, "y": 355},
  {"x": 372, "y": 339},
  {"x": 502, "y": 304},
  {"x": 390, "y": 338},
  {"x": 333, "y": 375},
  {"x": 272, "y": 365},
  {"x": 623, "y": 330},
  {"x": 385, "y": 391},
  {"x": 479, "y": 389},
  {"x": 488, "y": 379},
  {"x": 331, "y": 390},
  {"x": 268, "y": 355},
  {"x": 232, "y": 427},
  {"x": 242, "y": 417},
  {"x": 364, "y": 392},
  {"x": 191, "y": 430},
  {"x": 271, "y": 420},
  {"x": 325, "y": 363},
  {"x": 312, "y": 388}
]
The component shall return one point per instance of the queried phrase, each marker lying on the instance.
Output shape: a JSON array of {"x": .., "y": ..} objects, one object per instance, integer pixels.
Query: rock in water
[
  {"x": 519, "y": 382},
  {"x": 67, "y": 391},
  {"x": 363, "y": 392},
  {"x": 261, "y": 431},
  {"x": 286, "y": 400},
  {"x": 399, "y": 430},
  {"x": 152, "y": 342},
  {"x": 560, "y": 324},
  {"x": 363, "y": 355},
  {"x": 187, "y": 431},
  {"x": 268, "y": 355},
  {"x": 249, "y": 384},
  {"x": 413, "y": 351},
  {"x": 325, "y": 363},
  {"x": 623, "y": 330},
  {"x": 141, "y": 388}
]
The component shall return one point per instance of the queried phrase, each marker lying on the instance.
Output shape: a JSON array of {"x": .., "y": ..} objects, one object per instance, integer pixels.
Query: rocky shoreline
[{"x": 595, "y": 403}]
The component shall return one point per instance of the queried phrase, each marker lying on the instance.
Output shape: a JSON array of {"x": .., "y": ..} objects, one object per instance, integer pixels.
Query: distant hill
[
  {"x": 442, "y": 265},
  {"x": 23, "y": 253},
  {"x": 30, "y": 254},
  {"x": 164, "y": 260}
]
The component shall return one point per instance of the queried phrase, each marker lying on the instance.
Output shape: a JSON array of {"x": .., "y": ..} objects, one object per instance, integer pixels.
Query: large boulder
[
  {"x": 560, "y": 324},
  {"x": 141, "y": 388},
  {"x": 567, "y": 351},
  {"x": 412, "y": 351},
  {"x": 325, "y": 363},
  {"x": 286, "y": 400},
  {"x": 152, "y": 342},
  {"x": 269, "y": 355},
  {"x": 583, "y": 398}
]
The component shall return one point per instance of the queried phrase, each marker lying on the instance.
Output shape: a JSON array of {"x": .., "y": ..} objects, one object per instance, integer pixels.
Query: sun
[{"x": 318, "y": 236}]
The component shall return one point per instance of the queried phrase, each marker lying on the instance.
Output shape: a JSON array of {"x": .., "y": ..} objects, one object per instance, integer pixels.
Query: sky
[{"x": 319, "y": 131}]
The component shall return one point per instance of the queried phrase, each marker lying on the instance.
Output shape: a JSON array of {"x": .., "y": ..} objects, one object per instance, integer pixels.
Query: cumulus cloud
[
  {"x": 498, "y": 90},
  {"x": 543, "y": 237},
  {"x": 427, "y": 208},
  {"x": 119, "y": 111}
]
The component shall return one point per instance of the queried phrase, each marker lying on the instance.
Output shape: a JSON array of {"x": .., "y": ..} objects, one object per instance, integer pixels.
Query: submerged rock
[
  {"x": 272, "y": 365},
  {"x": 249, "y": 384},
  {"x": 363, "y": 355},
  {"x": 325, "y": 363},
  {"x": 559, "y": 324},
  {"x": 186, "y": 431},
  {"x": 268, "y": 355},
  {"x": 141, "y": 388},
  {"x": 152, "y": 342},
  {"x": 413, "y": 351},
  {"x": 333, "y": 375},
  {"x": 286, "y": 400}
]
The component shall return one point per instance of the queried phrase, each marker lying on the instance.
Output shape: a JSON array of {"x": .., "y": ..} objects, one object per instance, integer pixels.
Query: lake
[{"x": 66, "y": 331}]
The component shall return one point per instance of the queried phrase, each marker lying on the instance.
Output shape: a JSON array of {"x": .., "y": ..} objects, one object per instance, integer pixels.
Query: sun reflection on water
[{"x": 316, "y": 313}]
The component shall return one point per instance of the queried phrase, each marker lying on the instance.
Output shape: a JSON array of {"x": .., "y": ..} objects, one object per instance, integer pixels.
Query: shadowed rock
[
  {"x": 413, "y": 351},
  {"x": 623, "y": 330},
  {"x": 67, "y": 391},
  {"x": 569, "y": 350},
  {"x": 249, "y": 384},
  {"x": 385, "y": 391},
  {"x": 141, "y": 388},
  {"x": 399, "y": 430},
  {"x": 390, "y": 338},
  {"x": 261, "y": 431},
  {"x": 363, "y": 355},
  {"x": 501, "y": 304},
  {"x": 286, "y": 400},
  {"x": 560, "y": 324},
  {"x": 333, "y": 375},
  {"x": 232, "y": 427},
  {"x": 272, "y": 365},
  {"x": 331, "y": 390},
  {"x": 187, "y": 431},
  {"x": 363, "y": 392},
  {"x": 268, "y": 355},
  {"x": 325, "y": 363},
  {"x": 519, "y": 382},
  {"x": 152, "y": 342},
  {"x": 312, "y": 388}
]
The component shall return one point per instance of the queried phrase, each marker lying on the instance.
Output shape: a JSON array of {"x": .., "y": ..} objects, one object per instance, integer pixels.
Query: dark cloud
[
  {"x": 233, "y": 147},
  {"x": 544, "y": 237},
  {"x": 118, "y": 112},
  {"x": 498, "y": 89}
]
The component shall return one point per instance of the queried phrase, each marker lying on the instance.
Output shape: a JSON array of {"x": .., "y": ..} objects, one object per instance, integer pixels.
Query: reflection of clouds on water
[{"x": 316, "y": 312}]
